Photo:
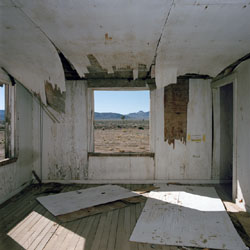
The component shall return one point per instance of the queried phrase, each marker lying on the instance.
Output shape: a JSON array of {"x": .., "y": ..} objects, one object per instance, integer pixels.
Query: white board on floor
[
  {"x": 186, "y": 216},
  {"x": 68, "y": 202}
]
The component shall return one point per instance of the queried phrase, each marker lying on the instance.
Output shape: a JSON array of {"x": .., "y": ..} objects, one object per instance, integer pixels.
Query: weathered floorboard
[{"x": 25, "y": 224}]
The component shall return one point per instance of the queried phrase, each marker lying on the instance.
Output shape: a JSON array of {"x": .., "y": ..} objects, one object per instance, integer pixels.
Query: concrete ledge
[{"x": 143, "y": 154}]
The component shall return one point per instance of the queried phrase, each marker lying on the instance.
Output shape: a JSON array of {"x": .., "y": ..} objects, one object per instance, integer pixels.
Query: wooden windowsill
[
  {"x": 7, "y": 161},
  {"x": 125, "y": 154}
]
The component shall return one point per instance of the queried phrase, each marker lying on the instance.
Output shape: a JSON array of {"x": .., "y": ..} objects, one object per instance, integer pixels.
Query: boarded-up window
[{"x": 175, "y": 111}]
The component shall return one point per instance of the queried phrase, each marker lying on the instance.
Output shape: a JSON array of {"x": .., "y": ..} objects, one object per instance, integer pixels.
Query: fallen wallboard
[
  {"x": 65, "y": 203},
  {"x": 186, "y": 216},
  {"x": 104, "y": 208}
]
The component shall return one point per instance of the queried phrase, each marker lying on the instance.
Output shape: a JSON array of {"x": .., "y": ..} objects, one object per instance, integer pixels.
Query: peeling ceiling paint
[
  {"x": 26, "y": 54},
  {"x": 179, "y": 36},
  {"x": 118, "y": 33}
]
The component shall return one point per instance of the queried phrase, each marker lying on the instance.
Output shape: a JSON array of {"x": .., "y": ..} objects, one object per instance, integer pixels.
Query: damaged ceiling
[
  {"x": 27, "y": 54},
  {"x": 180, "y": 36},
  {"x": 204, "y": 37}
]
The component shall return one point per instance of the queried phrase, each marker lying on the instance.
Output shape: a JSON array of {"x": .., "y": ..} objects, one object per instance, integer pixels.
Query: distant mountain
[
  {"x": 2, "y": 112},
  {"x": 107, "y": 116},
  {"x": 116, "y": 116},
  {"x": 138, "y": 116}
]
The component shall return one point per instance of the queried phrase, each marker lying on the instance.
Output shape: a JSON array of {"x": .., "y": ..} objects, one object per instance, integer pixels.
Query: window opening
[{"x": 121, "y": 121}]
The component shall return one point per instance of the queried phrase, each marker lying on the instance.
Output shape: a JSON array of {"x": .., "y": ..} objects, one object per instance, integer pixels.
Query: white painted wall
[
  {"x": 15, "y": 176},
  {"x": 121, "y": 168},
  {"x": 65, "y": 143},
  {"x": 243, "y": 134},
  {"x": 193, "y": 160}
]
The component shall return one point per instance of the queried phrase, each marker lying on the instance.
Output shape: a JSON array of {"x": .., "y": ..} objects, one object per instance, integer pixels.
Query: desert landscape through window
[{"x": 121, "y": 123}]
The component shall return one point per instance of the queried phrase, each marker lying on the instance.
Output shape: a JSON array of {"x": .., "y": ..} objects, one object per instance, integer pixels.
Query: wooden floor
[{"x": 25, "y": 224}]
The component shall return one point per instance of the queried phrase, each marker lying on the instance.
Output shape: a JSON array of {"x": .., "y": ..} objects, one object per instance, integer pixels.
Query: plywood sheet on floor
[
  {"x": 68, "y": 202},
  {"x": 186, "y": 216}
]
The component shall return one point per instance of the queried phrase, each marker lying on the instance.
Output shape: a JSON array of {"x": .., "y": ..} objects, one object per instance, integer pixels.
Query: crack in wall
[{"x": 159, "y": 40}]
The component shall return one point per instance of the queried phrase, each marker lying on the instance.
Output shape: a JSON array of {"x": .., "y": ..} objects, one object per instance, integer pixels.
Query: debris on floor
[
  {"x": 241, "y": 221},
  {"x": 189, "y": 216},
  {"x": 77, "y": 204}
]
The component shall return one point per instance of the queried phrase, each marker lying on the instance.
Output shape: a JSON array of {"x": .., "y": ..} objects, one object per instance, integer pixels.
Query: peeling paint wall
[
  {"x": 63, "y": 145},
  {"x": 15, "y": 176},
  {"x": 175, "y": 111},
  {"x": 193, "y": 159}
]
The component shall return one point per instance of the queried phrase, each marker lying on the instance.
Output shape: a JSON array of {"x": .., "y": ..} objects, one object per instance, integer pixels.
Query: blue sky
[
  {"x": 123, "y": 102},
  {"x": 2, "y": 97}
]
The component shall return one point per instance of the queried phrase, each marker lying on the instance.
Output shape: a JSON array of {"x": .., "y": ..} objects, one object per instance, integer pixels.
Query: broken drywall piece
[
  {"x": 189, "y": 216},
  {"x": 103, "y": 208},
  {"x": 68, "y": 202},
  {"x": 55, "y": 98}
]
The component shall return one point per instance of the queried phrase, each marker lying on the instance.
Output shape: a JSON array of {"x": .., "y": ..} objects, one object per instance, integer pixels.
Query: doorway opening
[{"x": 226, "y": 132}]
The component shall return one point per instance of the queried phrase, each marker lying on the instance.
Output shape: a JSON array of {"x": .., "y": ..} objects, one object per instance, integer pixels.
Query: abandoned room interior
[{"x": 188, "y": 188}]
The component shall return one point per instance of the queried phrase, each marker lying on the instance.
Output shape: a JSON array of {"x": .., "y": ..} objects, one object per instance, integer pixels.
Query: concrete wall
[
  {"x": 190, "y": 161},
  {"x": 15, "y": 176},
  {"x": 243, "y": 134}
]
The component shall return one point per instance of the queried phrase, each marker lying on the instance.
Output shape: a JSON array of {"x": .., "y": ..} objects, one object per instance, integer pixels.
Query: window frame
[
  {"x": 91, "y": 110},
  {"x": 10, "y": 125}
]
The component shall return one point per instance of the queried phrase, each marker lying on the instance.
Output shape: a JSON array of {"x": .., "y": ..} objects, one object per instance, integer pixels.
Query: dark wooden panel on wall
[
  {"x": 121, "y": 83},
  {"x": 176, "y": 98}
]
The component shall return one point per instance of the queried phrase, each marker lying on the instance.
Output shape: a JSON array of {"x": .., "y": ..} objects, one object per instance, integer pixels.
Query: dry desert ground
[{"x": 112, "y": 136}]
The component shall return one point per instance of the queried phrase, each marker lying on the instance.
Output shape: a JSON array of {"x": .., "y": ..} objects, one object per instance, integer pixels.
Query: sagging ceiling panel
[
  {"x": 26, "y": 53},
  {"x": 117, "y": 33},
  {"x": 205, "y": 36},
  {"x": 184, "y": 36}
]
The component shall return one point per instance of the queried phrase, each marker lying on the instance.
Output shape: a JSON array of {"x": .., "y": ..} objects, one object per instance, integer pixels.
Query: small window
[
  {"x": 7, "y": 121},
  {"x": 121, "y": 121}
]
